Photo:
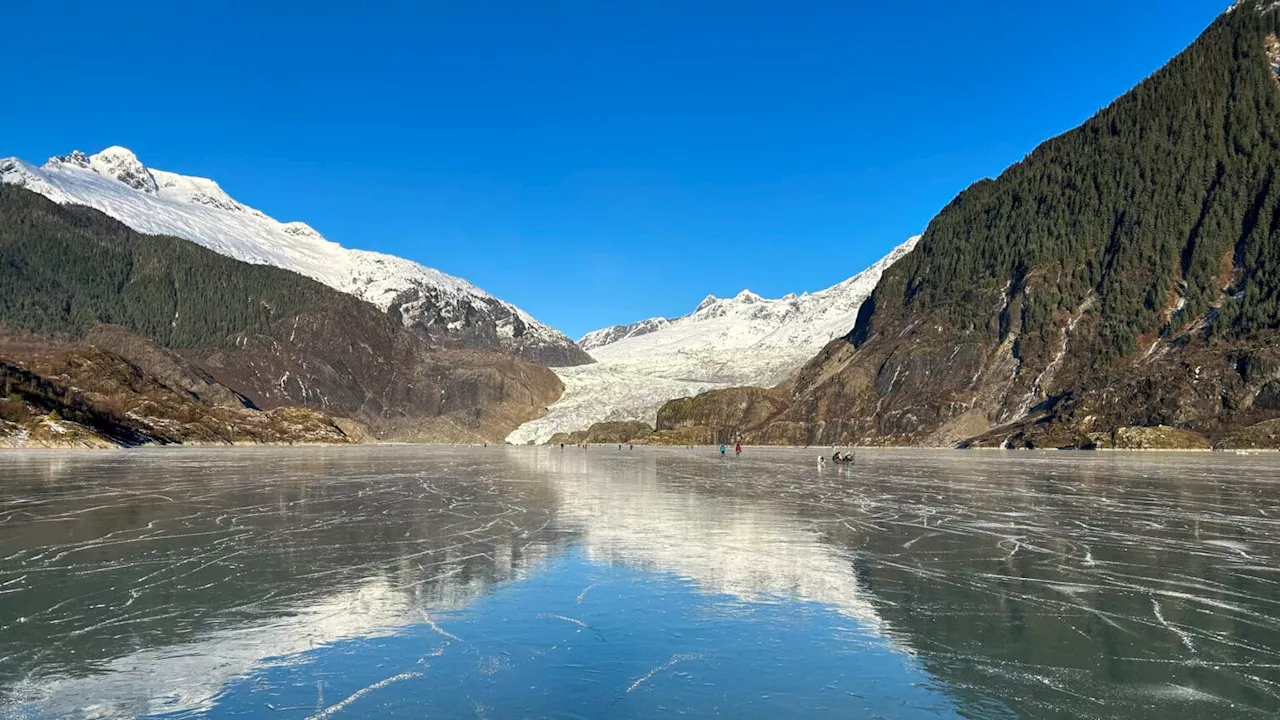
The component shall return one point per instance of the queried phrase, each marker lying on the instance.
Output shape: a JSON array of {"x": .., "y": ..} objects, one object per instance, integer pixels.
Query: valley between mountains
[
  {"x": 1118, "y": 288},
  {"x": 128, "y": 269}
]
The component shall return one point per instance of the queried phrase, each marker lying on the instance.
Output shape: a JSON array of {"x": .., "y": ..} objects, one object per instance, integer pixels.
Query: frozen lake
[{"x": 536, "y": 582}]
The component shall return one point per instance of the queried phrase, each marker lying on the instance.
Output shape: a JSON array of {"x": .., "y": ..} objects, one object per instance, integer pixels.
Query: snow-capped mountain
[
  {"x": 153, "y": 201},
  {"x": 743, "y": 340}
]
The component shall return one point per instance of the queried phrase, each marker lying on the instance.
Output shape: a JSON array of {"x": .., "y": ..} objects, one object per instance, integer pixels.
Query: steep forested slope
[{"x": 1126, "y": 273}]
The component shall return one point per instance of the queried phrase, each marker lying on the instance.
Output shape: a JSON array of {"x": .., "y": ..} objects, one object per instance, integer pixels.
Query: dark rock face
[
  {"x": 486, "y": 324},
  {"x": 388, "y": 381},
  {"x": 81, "y": 396},
  {"x": 1123, "y": 276},
  {"x": 722, "y": 410},
  {"x": 606, "y": 433},
  {"x": 168, "y": 368}
]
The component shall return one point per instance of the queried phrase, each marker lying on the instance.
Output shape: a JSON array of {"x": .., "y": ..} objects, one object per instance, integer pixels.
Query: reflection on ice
[
  {"x": 974, "y": 585},
  {"x": 188, "y": 677},
  {"x": 750, "y": 547},
  {"x": 145, "y": 585}
]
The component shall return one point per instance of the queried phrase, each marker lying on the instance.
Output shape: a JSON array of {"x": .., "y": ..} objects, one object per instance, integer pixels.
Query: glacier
[
  {"x": 746, "y": 340},
  {"x": 157, "y": 202}
]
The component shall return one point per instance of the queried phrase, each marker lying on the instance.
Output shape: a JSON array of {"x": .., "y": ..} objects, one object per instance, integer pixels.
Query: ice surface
[{"x": 385, "y": 581}]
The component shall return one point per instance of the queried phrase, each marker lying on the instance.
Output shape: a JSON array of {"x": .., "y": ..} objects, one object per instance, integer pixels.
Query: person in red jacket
[{"x": 738, "y": 448}]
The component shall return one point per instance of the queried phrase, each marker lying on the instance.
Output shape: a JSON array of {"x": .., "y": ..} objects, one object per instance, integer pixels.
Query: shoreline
[{"x": 598, "y": 446}]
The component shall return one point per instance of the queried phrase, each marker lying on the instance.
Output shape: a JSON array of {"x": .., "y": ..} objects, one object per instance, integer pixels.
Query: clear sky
[{"x": 594, "y": 161}]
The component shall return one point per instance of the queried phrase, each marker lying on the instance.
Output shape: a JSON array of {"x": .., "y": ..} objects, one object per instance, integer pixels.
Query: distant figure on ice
[
  {"x": 737, "y": 449},
  {"x": 723, "y": 450},
  {"x": 842, "y": 458}
]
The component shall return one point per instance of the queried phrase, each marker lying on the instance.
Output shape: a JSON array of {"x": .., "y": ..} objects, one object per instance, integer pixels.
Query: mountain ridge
[
  {"x": 273, "y": 338},
  {"x": 778, "y": 332},
  {"x": 447, "y": 308}
]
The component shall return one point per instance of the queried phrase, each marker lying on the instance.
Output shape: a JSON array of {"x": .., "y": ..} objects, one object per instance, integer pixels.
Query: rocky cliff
[{"x": 81, "y": 396}]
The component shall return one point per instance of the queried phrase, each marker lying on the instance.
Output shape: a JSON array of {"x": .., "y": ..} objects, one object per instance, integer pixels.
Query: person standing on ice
[
  {"x": 723, "y": 450},
  {"x": 737, "y": 449}
]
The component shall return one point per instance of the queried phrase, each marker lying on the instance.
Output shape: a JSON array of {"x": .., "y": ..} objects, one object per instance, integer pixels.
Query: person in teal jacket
[{"x": 723, "y": 450}]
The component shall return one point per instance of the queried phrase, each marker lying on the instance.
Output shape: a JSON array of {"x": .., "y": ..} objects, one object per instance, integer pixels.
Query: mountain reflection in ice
[
  {"x": 605, "y": 583},
  {"x": 747, "y": 546},
  {"x": 142, "y": 583},
  {"x": 220, "y": 565},
  {"x": 187, "y": 677}
]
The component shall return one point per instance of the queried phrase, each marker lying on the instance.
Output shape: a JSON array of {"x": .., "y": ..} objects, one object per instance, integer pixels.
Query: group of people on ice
[{"x": 837, "y": 458}]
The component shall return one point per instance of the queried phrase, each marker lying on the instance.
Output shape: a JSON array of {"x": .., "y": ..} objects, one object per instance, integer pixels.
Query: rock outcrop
[
  {"x": 83, "y": 397},
  {"x": 606, "y": 433}
]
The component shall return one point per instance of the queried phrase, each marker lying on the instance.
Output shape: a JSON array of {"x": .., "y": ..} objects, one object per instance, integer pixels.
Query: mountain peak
[
  {"x": 115, "y": 162},
  {"x": 747, "y": 297},
  {"x": 707, "y": 302},
  {"x": 75, "y": 159},
  {"x": 117, "y": 153},
  {"x": 123, "y": 165}
]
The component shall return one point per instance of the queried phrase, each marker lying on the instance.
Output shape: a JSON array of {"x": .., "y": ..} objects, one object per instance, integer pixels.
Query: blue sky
[{"x": 595, "y": 162}]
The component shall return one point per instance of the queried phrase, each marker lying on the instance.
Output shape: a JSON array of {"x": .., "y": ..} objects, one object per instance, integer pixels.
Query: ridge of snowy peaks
[
  {"x": 743, "y": 340},
  {"x": 157, "y": 202},
  {"x": 746, "y": 340}
]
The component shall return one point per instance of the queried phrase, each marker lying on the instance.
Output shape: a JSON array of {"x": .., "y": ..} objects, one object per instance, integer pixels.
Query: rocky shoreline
[{"x": 1264, "y": 436}]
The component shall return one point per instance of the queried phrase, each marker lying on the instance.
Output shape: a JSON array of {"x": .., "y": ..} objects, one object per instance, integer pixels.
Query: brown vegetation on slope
[{"x": 80, "y": 396}]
